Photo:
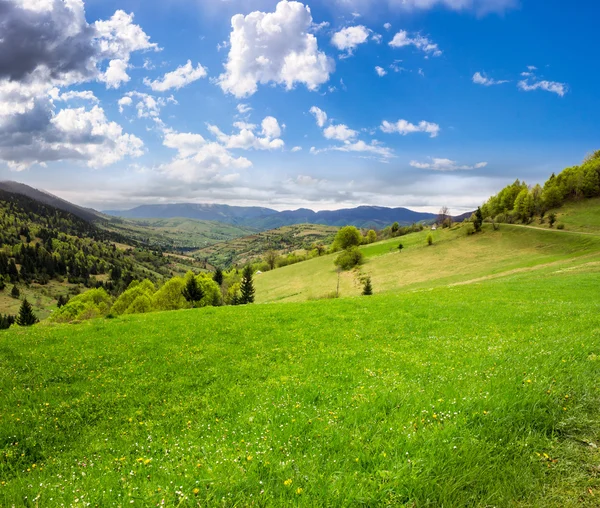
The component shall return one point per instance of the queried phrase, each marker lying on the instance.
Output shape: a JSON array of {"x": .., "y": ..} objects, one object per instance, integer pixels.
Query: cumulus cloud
[
  {"x": 437, "y": 164},
  {"x": 348, "y": 138},
  {"x": 32, "y": 128},
  {"x": 247, "y": 138},
  {"x": 402, "y": 39},
  {"x": 380, "y": 71},
  {"x": 296, "y": 149},
  {"x": 147, "y": 105},
  {"x": 180, "y": 77},
  {"x": 348, "y": 39},
  {"x": 482, "y": 79},
  {"x": 275, "y": 47},
  {"x": 387, "y": 26},
  {"x": 201, "y": 162},
  {"x": 532, "y": 83},
  {"x": 339, "y": 132},
  {"x": 404, "y": 127},
  {"x": 320, "y": 115}
]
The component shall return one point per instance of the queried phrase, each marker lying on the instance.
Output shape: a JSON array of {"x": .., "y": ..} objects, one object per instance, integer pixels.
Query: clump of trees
[
  {"x": 519, "y": 202},
  {"x": 6, "y": 321},
  {"x": 348, "y": 239}
]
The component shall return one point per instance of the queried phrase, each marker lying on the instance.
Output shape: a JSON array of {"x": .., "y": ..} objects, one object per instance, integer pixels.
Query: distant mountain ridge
[{"x": 266, "y": 218}]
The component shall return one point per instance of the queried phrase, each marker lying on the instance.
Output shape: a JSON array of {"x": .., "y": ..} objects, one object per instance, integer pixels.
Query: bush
[
  {"x": 349, "y": 259},
  {"x": 400, "y": 247},
  {"x": 560, "y": 226},
  {"x": 429, "y": 239},
  {"x": 367, "y": 287},
  {"x": 92, "y": 304}
]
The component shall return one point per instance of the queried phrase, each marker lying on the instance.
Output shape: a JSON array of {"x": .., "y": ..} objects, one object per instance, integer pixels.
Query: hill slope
[
  {"x": 437, "y": 398},
  {"x": 49, "y": 199},
  {"x": 454, "y": 257}
]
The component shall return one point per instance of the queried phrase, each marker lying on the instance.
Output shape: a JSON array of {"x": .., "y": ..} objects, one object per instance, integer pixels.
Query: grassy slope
[
  {"x": 476, "y": 395},
  {"x": 178, "y": 233},
  {"x": 581, "y": 215},
  {"x": 454, "y": 258}
]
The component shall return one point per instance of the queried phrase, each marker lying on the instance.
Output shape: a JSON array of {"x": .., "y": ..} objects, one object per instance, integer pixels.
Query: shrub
[
  {"x": 349, "y": 259},
  {"x": 400, "y": 247},
  {"x": 371, "y": 236},
  {"x": 560, "y": 226},
  {"x": 6, "y": 322},
  {"x": 92, "y": 304},
  {"x": 552, "y": 219},
  {"x": 14, "y": 292},
  {"x": 367, "y": 287},
  {"x": 429, "y": 239}
]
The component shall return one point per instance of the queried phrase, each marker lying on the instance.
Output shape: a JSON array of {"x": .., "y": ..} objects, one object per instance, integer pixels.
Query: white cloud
[
  {"x": 247, "y": 138},
  {"x": 380, "y": 71},
  {"x": 116, "y": 74},
  {"x": 339, "y": 132},
  {"x": 437, "y": 164},
  {"x": 387, "y": 26},
  {"x": 275, "y": 47},
  {"x": 148, "y": 106},
  {"x": 548, "y": 86},
  {"x": 243, "y": 109},
  {"x": 348, "y": 39},
  {"x": 296, "y": 149},
  {"x": 180, "y": 77},
  {"x": 124, "y": 102},
  {"x": 319, "y": 115},
  {"x": 201, "y": 162},
  {"x": 85, "y": 95},
  {"x": 118, "y": 38},
  {"x": 404, "y": 127},
  {"x": 94, "y": 138},
  {"x": 402, "y": 39},
  {"x": 382, "y": 152},
  {"x": 482, "y": 79},
  {"x": 480, "y": 7}
]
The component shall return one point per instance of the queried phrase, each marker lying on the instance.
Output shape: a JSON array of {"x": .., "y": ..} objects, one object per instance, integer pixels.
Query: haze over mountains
[
  {"x": 249, "y": 216},
  {"x": 266, "y": 218}
]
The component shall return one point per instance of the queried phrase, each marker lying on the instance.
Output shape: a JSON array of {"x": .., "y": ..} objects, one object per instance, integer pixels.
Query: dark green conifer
[
  {"x": 247, "y": 286},
  {"x": 26, "y": 316}
]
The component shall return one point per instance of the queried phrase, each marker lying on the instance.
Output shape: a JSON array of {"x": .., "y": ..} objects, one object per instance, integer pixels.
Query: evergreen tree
[
  {"x": 26, "y": 316},
  {"x": 62, "y": 301},
  {"x": 247, "y": 286},
  {"x": 478, "y": 220},
  {"x": 192, "y": 292},
  {"x": 6, "y": 322},
  {"x": 15, "y": 293},
  {"x": 367, "y": 287},
  {"x": 218, "y": 276},
  {"x": 13, "y": 272}
]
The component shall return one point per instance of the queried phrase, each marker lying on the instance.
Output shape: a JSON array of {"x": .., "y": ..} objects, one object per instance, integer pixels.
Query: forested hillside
[
  {"x": 520, "y": 203},
  {"x": 42, "y": 246}
]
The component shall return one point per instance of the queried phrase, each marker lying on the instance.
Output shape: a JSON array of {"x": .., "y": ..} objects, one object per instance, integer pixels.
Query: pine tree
[
  {"x": 26, "y": 316},
  {"x": 247, "y": 287},
  {"x": 192, "y": 292},
  {"x": 6, "y": 322},
  {"x": 218, "y": 276},
  {"x": 62, "y": 301},
  {"x": 14, "y": 292},
  {"x": 367, "y": 287}
]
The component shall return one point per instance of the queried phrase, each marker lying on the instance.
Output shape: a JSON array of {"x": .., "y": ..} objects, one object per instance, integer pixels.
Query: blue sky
[{"x": 323, "y": 104}]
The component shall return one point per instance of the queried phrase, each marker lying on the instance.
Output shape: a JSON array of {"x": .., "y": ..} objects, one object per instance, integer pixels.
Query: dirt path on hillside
[
  {"x": 530, "y": 269},
  {"x": 550, "y": 230}
]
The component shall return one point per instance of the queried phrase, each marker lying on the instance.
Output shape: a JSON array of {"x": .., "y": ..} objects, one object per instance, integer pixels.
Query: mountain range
[
  {"x": 266, "y": 218},
  {"x": 259, "y": 218}
]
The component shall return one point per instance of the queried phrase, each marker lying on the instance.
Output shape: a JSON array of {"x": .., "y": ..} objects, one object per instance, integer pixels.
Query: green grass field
[
  {"x": 483, "y": 394},
  {"x": 454, "y": 258},
  {"x": 581, "y": 215}
]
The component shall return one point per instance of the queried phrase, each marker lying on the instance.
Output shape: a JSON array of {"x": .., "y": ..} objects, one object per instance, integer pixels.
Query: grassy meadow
[
  {"x": 455, "y": 257},
  {"x": 434, "y": 398}
]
